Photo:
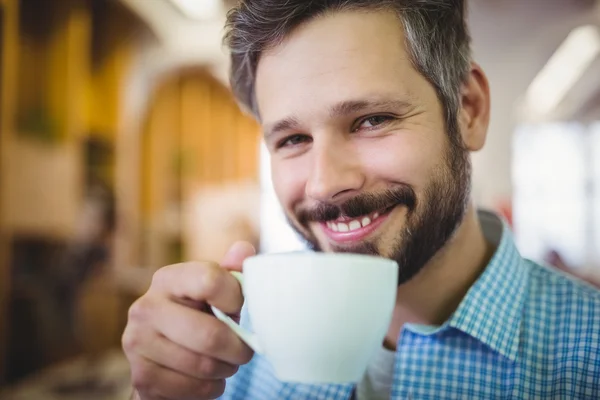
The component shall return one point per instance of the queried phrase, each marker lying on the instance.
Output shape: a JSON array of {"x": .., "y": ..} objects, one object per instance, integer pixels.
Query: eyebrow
[
  {"x": 281, "y": 125},
  {"x": 354, "y": 106},
  {"x": 342, "y": 109}
]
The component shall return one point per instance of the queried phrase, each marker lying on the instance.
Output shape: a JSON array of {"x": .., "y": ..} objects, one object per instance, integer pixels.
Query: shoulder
[
  {"x": 559, "y": 290},
  {"x": 563, "y": 308},
  {"x": 561, "y": 333}
]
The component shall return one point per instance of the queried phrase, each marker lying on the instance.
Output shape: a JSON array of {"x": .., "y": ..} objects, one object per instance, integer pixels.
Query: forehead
[{"x": 337, "y": 57}]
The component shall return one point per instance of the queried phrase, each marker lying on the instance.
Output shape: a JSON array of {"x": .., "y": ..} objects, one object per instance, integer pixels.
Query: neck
[{"x": 434, "y": 294}]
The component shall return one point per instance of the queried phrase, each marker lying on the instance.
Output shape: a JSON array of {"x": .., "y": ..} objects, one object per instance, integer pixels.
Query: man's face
[{"x": 361, "y": 158}]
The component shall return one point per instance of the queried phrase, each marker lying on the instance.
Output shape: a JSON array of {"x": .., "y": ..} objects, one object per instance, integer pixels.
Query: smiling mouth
[{"x": 346, "y": 229}]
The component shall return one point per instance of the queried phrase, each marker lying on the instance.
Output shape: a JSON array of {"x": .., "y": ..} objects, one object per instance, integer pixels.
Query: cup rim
[{"x": 322, "y": 256}]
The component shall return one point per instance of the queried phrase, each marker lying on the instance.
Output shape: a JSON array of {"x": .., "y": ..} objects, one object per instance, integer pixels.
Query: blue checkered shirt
[{"x": 523, "y": 331}]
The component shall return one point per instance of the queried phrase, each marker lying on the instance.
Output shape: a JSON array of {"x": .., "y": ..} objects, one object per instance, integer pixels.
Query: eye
[
  {"x": 373, "y": 122},
  {"x": 293, "y": 140}
]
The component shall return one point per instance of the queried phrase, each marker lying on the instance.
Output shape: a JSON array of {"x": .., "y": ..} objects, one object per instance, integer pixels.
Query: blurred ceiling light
[
  {"x": 201, "y": 10},
  {"x": 563, "y": 70}
]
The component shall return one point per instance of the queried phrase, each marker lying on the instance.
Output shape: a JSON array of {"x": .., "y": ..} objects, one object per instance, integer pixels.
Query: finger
[
  {"x": 200, "y": 333},
  {"x": 235, "y": 256},
  {"x": 165, "y": 353},
  {"x": 200, "y": 282},
  {"x": 156, "y": 382}
]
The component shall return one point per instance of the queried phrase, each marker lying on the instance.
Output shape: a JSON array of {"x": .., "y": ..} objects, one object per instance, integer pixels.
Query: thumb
[{"x": 236, "y": 255}]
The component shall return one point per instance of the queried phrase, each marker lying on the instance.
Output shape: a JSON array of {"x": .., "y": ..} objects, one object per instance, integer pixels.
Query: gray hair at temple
[{"x": 436, "y": 34}]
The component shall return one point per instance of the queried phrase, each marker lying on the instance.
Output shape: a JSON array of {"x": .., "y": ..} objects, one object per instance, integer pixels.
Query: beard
[{"x": 431, "y": 221}]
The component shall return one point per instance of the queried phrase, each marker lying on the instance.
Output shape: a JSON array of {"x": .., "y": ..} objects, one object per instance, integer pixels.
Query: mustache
[{"x": 360, "y": 205}]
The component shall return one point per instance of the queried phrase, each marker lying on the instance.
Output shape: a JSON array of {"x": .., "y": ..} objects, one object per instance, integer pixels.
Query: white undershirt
[{"x": 376, "y": 384}]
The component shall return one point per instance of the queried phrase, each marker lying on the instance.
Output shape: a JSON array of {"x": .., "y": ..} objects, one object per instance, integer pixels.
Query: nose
[{"x": 335, "y": 171}]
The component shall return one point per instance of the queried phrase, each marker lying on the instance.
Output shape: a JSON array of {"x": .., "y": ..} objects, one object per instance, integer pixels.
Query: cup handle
[{"x": 248, "y": 337}]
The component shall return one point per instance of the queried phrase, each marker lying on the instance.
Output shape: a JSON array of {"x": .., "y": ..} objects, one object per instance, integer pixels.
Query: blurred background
[{"x": 122, "y": 150}]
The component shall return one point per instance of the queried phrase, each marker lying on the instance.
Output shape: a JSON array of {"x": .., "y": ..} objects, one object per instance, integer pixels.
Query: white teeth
[
  {"x": 354, "y": 225},
  {"x": 342, "y": 227},
  {"x": 351, "y": 225},
  {"x": 332, "y": 225}
]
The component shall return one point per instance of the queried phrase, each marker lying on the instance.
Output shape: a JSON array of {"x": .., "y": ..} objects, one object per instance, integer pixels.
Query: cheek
[
  {"x": 288, "y": 181},
  {"x": 404, "y": 157}
]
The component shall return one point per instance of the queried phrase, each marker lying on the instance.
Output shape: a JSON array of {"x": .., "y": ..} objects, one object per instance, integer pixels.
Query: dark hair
[{"x": 436, "y": 33}]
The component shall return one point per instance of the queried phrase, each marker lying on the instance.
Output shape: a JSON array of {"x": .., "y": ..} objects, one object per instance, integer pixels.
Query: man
[{"x": 370, "y": 110}]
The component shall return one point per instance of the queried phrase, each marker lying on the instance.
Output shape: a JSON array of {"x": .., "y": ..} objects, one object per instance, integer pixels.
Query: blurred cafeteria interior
[{"x": 122, "y": 150}]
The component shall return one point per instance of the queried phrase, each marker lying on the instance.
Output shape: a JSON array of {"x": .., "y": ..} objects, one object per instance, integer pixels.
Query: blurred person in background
[
  {"x": 370, "y": 111},
  {"x": 90, "y": 248},
  {"x": 87, "y": 255}
]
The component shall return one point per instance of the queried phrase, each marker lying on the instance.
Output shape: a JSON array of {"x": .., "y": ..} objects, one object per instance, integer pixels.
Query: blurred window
[
  {"x": 595, "y": 135},
  {"x": 554, "y": 203}
]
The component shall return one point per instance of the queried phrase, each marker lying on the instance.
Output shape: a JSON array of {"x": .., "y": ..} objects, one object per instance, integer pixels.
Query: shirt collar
[{"x": 492, "y": 308}]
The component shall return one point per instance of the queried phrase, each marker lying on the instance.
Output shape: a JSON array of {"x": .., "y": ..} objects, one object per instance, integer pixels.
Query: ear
[{"x": 474, "y": 114}]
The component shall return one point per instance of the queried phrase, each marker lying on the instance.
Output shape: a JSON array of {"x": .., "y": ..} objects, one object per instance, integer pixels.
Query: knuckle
[
  {"x": 130, "y": 341},
  {"x": 211, "y": 281},
  {"x": 159, "y": 275},
  {"x": 139, "y": 310}
]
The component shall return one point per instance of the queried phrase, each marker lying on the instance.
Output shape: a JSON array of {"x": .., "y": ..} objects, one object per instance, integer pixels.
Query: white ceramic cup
[{"x": 317, "y": 317}]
